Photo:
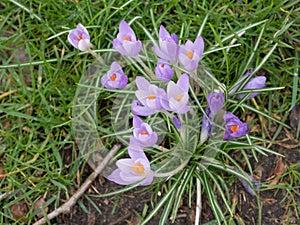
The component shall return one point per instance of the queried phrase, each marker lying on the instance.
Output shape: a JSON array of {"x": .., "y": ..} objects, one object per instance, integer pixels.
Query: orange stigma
[
  {"x": 138, "y": 168},
  {"x": 79, "y": 38},
  {"x": 162, "y": 65},
  {"x": 143, "y": 132},
  {"x": 126, "y": 38},
  {"x": 151, "y": 97},
  {"x": 189, "y": 54},
  {"x": 234, "y": 128},
  {"x": 113, "y": 77}
]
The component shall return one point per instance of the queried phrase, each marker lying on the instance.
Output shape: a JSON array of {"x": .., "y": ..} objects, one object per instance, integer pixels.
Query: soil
[{"x": 279, "y": 206}]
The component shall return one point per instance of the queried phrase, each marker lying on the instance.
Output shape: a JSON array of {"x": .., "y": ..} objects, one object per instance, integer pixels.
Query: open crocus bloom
[
  {"x": 163, "y": 71},
  {"x": 190, "y": 53},
  {"x": 126, "y": 42},
  {"x": 234, "y": 127},
  {"x": 149, "y": 98},
  {"x": 80, "y": 38},
  {"x": 168, "y": 45},
  {"x": 143, "y": 133},
  {"x": 177, "y": 95},
  {"x": 115, "y": 77},
  {"x": 132, "y": 170}
]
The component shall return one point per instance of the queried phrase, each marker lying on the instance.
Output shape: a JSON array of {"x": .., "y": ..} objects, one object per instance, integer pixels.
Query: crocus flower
[
  {"x": 143, "y": 133},
  {"x": 168, "y": 45},
  {"x": 80, "y": 38},
  {"x": 234, "y": 127},
  {"x": 206, "y": 126},
  {"x": 132, "y": 170},
  {"x": 149, "y": 98},
  {"x": 255, "y": 183},
  {"x": 176, "y": 122},
  {"x": 215, "y": 102},
  {"x": 126, "y": 42},
  {"x": 190, "y": 54},
  {"x": 115, "y": 77},
  {"x": 177, "y": 95},
  {"x": 163, "y": 71},
  {"x": 254, "y": 83}
]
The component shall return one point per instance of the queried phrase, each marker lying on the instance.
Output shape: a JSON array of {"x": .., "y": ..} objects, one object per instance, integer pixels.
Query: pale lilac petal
[
  {"x": 137, "y": 122},
  {"x": 126, "y": 29},
  {"x": 199, "y": 46},
  {"x": 215, "y": 102},
  {"x": 116, "y": 177},
  {"x": 141, "y": 110},
  {"x": 184, "y": 82},
  {"x": 142, "y": 83}
]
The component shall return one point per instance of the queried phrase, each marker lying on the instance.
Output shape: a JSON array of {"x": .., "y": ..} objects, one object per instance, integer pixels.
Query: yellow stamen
[
  {"x": 189, "y": 54},
  {"x": 151, "y": 97},
  {"x": 126, "y": 38},
  {"x": 138, "y": 168},
  {"x": 179, "y": 97},
  {"x": 113, "y": 77},
  {"x": 234, "y": 128}
]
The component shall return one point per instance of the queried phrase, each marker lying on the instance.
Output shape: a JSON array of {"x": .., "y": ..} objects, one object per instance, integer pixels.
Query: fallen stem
[{"x": 66, "y": 207}]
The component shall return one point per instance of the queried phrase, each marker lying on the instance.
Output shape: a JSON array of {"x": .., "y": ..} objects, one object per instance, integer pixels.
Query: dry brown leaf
[
  {"x": 277, "y": 172},
  {"x": 38, "y": 205},
  {"x": 19, "y": 211}
]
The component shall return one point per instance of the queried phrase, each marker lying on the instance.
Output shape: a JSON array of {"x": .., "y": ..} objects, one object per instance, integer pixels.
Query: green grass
[{"x": 37, "y": 145}]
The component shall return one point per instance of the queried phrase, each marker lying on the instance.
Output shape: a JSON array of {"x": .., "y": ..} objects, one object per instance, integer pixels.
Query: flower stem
[
  {"x": 97, "y": 57},
  {"x": 146, "y": 68}
]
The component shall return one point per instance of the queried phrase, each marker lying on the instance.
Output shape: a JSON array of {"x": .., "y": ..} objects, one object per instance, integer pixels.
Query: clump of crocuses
[{"x": 174, "y": 64}]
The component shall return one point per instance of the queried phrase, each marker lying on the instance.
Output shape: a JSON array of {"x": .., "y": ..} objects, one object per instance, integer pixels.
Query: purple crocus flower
[
  {"x": 215, "y": 102},
  {"x": 132, "y": 170},
  {"x": 206, "y": 126},
  {"x": 115, "y": 77},
  {"x": 163, "y": 71},
  {"x": 126, "y": 42},
  {"x": 254, "y": 83},
  {"x": 234, "y": 127},
  {"x": 190, "y": 53},
  {"x": 177, "y": 95},
  {"x": 80, "y": 38},
  {"x": 168, "y": 45},
  {"x": 143, "y": 133},
  {"x": 149, "y": 98},
  {"x": 176, "y": 122}
]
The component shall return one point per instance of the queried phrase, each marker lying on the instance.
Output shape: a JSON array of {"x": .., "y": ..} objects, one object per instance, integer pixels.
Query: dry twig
[{"x": 66, "y": 207}]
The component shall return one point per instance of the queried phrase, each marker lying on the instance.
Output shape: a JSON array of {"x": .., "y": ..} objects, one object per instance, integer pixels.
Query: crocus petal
[
  {"x": 116, "y": 177},
  {"x": 215, "y": 102},
  {"x": 184, "y": 82},
  {"x": 141, "y": 110}
]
